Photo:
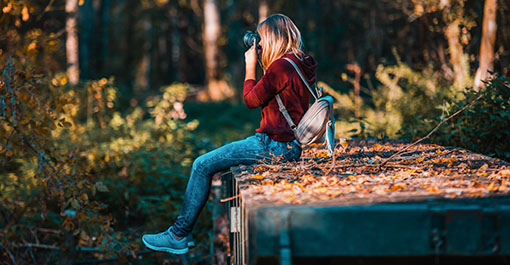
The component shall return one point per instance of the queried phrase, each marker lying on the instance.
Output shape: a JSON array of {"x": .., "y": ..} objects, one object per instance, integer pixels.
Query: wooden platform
[
  {"x": 431, "y": 201},
  {"x": 427, "y": 171}
]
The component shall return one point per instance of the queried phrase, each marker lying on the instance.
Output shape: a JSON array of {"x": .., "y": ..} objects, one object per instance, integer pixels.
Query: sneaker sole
[{"x": 166, "y": 249}]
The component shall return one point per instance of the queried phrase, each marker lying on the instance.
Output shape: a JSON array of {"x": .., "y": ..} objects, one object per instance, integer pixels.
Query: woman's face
[
  {"x": 260, "y": 44},
  {"x": 261, "y": 39}
]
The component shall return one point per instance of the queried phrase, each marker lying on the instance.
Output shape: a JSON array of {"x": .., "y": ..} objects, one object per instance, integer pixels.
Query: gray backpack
[{"x": 317, "y": 119}]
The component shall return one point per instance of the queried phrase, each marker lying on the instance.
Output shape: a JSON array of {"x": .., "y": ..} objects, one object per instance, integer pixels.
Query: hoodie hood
[{"x": 307, "y": 65}]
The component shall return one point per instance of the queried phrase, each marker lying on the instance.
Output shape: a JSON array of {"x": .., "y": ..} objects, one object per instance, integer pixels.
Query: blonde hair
[{"x": 279, "y": 35}]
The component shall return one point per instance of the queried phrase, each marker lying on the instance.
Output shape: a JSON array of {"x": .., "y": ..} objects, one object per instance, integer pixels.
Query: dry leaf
[{"x": 398, "y": 186}]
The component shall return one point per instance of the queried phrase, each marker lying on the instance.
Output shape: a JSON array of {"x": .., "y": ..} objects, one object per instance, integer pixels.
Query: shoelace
[{"x": 163, "y": 234}]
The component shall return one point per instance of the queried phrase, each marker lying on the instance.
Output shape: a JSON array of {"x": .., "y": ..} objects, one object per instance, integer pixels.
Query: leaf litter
[{"x": 355, "y": 177}]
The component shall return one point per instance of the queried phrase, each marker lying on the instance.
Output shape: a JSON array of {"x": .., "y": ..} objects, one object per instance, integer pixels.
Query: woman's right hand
[{"x": 250, "y": 58}]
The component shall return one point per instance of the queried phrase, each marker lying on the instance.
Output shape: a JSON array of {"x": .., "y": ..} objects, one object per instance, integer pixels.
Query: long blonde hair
[{"x": 279, "y": 35}]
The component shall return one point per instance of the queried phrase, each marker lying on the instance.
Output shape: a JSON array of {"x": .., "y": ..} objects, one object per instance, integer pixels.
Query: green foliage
[
  {"x": 402, "y": 97},
  {"x": 222, "y": 122},
  {"x": 405, "y": 96},
  {"x": 71, "y": 162},
  {"x": 483, "y": 127}
]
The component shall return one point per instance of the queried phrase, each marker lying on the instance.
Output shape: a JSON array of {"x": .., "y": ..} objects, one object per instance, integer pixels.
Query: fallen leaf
[
  {"x": 257, "y": 177},
  {"x": 398, "y": 186}
]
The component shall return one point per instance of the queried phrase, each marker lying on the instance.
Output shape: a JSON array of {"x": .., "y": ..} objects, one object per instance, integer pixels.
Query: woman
[{"x": 279, "y": 38}]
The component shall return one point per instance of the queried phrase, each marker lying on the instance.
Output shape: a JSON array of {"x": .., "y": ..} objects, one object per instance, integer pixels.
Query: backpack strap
[
  {"x": 285, "y": 113},
  {"x": 302, "y": 77},
  {"x": 282, "y": 108}
]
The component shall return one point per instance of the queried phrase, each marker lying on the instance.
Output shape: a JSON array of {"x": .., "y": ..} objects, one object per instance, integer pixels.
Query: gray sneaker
[
  {"x": 191, "y": 240},
  {"x": 165, "y": 241}
]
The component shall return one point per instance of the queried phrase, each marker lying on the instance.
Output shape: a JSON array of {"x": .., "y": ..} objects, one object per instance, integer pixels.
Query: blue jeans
[{"x": 254, "y": 149}]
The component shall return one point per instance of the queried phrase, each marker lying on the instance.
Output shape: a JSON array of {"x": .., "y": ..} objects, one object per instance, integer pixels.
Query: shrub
[
  {"x": 483, "y": 127},
  {"x": 73, "y": 164}
]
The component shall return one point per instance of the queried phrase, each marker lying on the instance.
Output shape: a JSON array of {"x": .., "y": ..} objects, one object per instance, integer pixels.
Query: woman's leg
[{"x": 247, "y": 151}]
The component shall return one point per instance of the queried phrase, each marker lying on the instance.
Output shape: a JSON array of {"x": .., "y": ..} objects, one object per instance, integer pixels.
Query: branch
[
  {"x": 430, "y": 133},
  {"x": 10, "y": 254}
]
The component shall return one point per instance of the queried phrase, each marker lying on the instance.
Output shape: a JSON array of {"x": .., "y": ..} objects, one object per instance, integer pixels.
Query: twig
[
  {"x": 32, "y": 255},
  {"x": 373, "y": 165},
  {"x": 332, "y": 164},
  {"x": 430, "y": 133},
  {"x": 49, "y": 230},
  {"x": 229, "y": 198},
  {"x": 52, "y": 247},
  {"x": 10, "y": 254}
]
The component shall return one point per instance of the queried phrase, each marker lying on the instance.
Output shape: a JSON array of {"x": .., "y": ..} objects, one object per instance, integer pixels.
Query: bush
[
  {"x": 72, "y": 163},
  {"x": 483, "y": 127}
]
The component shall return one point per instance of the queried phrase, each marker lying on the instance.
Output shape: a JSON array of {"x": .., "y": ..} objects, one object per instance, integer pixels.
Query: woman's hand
[{"x": 250, "y": 58}]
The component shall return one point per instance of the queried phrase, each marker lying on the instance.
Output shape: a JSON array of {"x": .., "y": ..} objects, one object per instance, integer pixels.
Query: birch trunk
[
  {"x": 489, "y": 27},
  {"x": 73, "y": 69},
  {"x": 263, "y": 10},
  {"x": 216, "y": 89},
  {"x": 458, "y": 59}
]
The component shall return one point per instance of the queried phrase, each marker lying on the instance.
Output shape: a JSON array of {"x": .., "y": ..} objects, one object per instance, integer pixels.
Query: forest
[{"x": 105, "y": 104}]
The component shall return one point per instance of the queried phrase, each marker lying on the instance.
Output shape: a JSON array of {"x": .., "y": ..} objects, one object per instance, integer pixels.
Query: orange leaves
[
  {"x": 450, "y": 161},
  {"x": 432, "y": 189},
  {"x": 398, "y": 186},
  {"x": 307, "y": 179},
  {"x": 481, "y": 174},
  {"x": 344, "y": 143},
  {"x": 320, "y": 190},
  {"x": 493, "y": 186},
  {"x": 428, "y": 169},
  {"x": 257, "y": 177},
  {"x": 419, "y": 160},
  {"x": 505, "y": 173},
  {"x": 6, "y": 9},
  {"x": 24, "y": 14},
  {"x": 321, "y": 154},
  {"x": 68, "y": 223}
]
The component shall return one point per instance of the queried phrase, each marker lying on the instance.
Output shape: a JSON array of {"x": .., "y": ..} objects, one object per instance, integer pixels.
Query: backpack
[{"x": 316, "y": 120}]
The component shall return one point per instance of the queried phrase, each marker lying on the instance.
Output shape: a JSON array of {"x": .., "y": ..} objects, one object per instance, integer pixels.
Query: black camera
[{"x": 250, "y": 38}]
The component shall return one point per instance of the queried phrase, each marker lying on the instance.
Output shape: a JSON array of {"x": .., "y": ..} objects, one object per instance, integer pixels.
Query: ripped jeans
[{"x": 250, "y": 150}]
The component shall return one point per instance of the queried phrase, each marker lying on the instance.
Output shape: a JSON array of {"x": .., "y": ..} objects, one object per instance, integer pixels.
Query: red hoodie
[{"x": 281, "y": 77}]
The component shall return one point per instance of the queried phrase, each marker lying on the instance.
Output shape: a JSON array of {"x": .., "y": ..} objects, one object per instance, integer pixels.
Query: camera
[{"x": 250, "y": 37}]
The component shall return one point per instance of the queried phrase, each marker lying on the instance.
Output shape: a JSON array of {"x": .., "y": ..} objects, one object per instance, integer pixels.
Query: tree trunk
[
  {"x": 86, "y": 34},
  {"x": 216, "y": 89},
  {"x": 458, "y": 59},
  {"x": 489, "y": 27},
  {"x": 143, "y": 73},
  {"x": 72, "y": 41},
  {"x": 105, "y": 34},
  {"x": 175, "y": 41},
  {"x": 263, "y": 10}
]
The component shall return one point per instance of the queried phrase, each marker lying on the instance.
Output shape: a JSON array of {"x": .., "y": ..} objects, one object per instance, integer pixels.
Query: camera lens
[{"x": 250, "y": 38}]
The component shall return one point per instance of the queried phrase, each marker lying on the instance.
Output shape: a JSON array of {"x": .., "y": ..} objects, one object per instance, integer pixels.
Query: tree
[
  {"x": 72, "y": 41},
  {"x": 489, "y": 27},
  {"x": 263, "y": 10},
  {"x": 216, "y": 89},
  {"x": 454, "y": 15}
]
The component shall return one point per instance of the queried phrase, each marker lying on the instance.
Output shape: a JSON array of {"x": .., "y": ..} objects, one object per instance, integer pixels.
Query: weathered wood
[
  {"x": 432, "y": 201},
  {"x": 426, "y": 171}
]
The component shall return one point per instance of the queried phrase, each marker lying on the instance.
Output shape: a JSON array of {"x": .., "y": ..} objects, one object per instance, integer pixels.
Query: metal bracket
[{"x": 235, "y": 219}]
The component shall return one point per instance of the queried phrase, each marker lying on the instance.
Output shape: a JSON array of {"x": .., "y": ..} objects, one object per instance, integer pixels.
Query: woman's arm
[{"x": 258, "y": 94}]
